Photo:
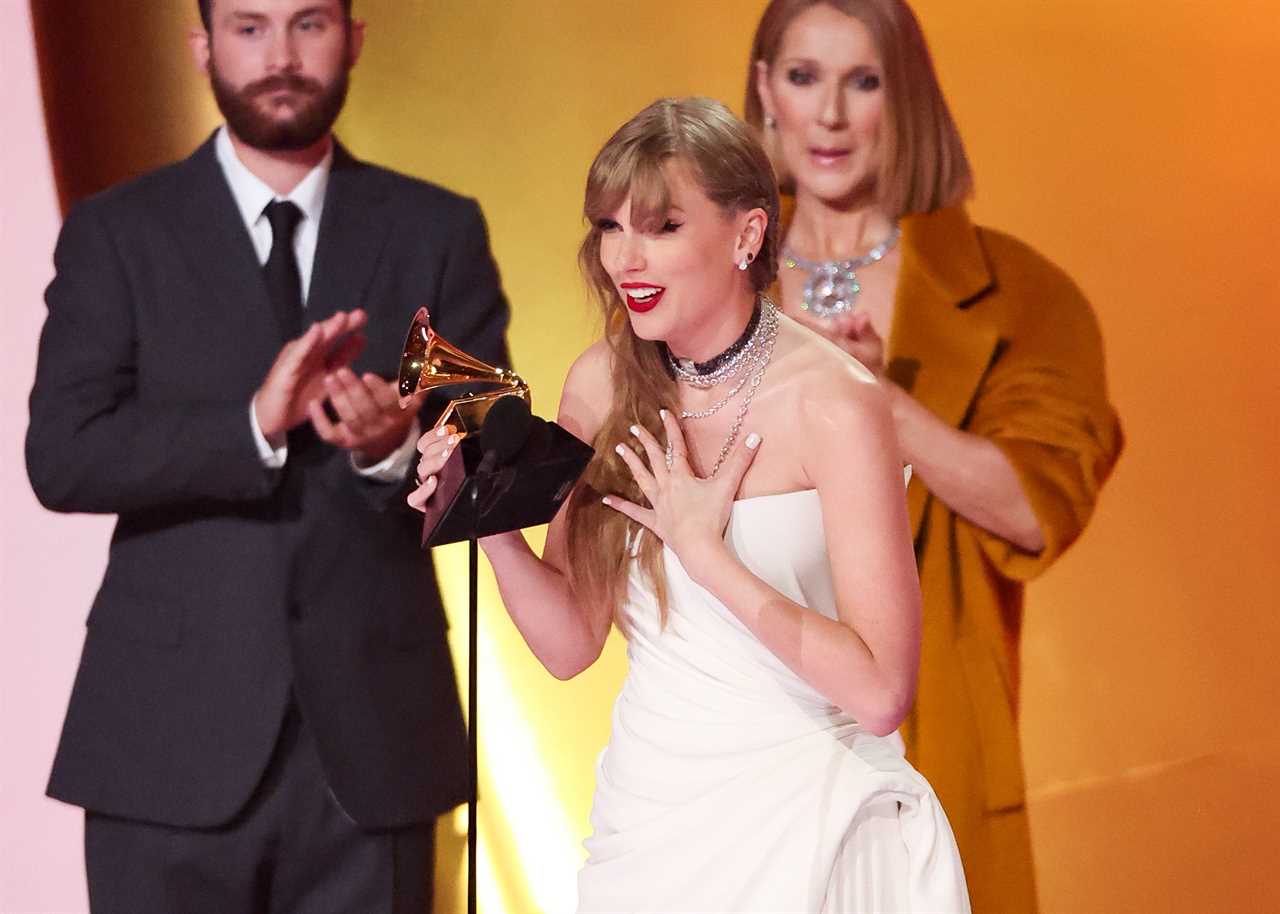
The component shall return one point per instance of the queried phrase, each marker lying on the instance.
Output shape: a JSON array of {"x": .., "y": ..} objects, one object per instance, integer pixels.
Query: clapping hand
[
  {"x": 688, "y": 513},
  {"x": 370, "y": 423},
  {"x": 296, "y": 378}
]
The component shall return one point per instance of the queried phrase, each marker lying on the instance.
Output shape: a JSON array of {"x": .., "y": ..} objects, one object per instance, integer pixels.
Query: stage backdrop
[{"x": 1133, "y": 143}]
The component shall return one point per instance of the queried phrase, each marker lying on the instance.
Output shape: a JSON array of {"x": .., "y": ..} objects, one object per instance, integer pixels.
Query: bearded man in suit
[{"x": 265, "y": 716}]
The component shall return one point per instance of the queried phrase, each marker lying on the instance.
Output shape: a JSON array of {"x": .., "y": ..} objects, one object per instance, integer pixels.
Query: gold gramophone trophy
[
  {"x": 430, "y": 361},
  {"x": 511, "y": 470}
]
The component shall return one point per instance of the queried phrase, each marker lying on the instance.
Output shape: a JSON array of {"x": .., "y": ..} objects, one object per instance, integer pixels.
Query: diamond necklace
[
  {"x": 832, "y": 287},
  {"x": 759, "y": 349},
  {"x": 718, "y": 367},
  {"x": 755, "y": 356}
]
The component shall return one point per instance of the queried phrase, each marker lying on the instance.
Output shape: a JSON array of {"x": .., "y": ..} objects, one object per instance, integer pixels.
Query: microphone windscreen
[{"x": 506, "y": 428}]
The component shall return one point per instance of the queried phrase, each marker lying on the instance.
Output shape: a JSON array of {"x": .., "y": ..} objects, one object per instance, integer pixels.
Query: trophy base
[{"x": 525, "y": 493}]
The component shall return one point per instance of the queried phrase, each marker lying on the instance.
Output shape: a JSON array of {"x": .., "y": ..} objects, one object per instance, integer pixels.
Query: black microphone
[{"x": 506, "y": 428}]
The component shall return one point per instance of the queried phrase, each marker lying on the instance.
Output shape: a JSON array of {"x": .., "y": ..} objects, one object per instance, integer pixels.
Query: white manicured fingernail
[
  {"x": 606, "y": 501},
  {"x": 620, "y": 449},
  {"x": 635, "y": 430},
  {"x": 662, "y": 413},
  {"x": 753, "y": 441}
]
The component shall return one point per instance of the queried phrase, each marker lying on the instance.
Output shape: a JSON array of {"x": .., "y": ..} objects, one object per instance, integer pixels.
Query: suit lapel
[
  {"x": 219, "y": 250},
  {"x": 353, "y": 231},
  {"x": 938, "y": 350}
]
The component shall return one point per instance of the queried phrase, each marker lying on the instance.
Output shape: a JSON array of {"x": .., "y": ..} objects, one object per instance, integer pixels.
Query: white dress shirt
[{"x": 252, "y": 196}]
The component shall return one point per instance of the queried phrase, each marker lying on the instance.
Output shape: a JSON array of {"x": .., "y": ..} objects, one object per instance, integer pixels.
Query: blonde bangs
[{"x": 638, "y": 176}]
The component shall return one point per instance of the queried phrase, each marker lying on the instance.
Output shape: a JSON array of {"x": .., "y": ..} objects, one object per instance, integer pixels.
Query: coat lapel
[
  {"x": 938, "y": 350},
  {"x": 220, "y": 252},
  {"x": 353, "y": 231}
]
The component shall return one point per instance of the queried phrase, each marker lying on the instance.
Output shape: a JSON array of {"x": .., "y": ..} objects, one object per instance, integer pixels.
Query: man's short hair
[{"x": 205, "y": 6}]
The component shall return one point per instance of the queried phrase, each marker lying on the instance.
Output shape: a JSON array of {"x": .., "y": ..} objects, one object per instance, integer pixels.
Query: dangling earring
[{"x": 770, "y": 121}]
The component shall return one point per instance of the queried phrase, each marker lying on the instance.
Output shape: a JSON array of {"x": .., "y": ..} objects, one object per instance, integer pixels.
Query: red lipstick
[{"x": 642, "y": 296}]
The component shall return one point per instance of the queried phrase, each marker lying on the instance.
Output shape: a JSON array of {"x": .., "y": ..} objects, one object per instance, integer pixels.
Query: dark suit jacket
[{"x": 229, "y": 585}]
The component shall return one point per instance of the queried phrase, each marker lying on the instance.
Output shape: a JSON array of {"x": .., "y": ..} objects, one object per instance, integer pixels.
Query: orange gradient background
[{"x": 1133, "y": 143}]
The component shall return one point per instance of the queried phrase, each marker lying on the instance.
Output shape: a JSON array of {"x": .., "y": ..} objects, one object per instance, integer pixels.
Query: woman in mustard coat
[{"x": 993, "y": 361}]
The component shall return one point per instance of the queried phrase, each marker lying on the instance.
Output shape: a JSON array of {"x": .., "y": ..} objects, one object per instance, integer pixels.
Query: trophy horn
[{"x": 430, "y": 361}]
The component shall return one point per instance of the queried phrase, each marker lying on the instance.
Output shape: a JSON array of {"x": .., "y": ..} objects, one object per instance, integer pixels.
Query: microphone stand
[
  {"x": 473, "y": 723},
  {"x": 483, "y": 473},
  {"x": 468, "y": 504}
]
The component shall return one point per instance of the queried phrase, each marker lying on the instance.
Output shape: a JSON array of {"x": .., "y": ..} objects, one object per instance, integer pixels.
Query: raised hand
[
  {"x": 296, "y": 378},
  {"x": 687, "y": 512}
]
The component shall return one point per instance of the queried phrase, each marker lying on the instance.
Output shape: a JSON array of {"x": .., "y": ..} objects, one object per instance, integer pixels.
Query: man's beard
[{"x": 318, "y": 107}]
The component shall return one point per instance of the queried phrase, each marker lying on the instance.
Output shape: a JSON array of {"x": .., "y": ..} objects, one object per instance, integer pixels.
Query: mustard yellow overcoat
[{"x": 996, "y": 340}]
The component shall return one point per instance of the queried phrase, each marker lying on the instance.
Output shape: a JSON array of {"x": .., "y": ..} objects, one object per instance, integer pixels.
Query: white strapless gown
[{"x": 729, "y": 784}]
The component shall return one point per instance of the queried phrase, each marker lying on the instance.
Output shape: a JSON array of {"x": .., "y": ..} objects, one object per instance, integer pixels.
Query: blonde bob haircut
[
  {"x": 723, "y": 157},
  {"x": 923, "y": 166}
]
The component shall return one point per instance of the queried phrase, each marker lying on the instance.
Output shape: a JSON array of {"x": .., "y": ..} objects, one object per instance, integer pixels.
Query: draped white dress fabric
[{"x": 729, "y": 784}]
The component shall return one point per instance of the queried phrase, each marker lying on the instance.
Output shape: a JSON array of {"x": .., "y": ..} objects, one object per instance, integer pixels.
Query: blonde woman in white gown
[{"x": 744, "y": 524}]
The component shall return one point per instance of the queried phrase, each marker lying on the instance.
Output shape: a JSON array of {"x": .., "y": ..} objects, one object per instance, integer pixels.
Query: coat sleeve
[
  {"x": 93, "y": 445},
  {"x": 1044, "y": 403}
]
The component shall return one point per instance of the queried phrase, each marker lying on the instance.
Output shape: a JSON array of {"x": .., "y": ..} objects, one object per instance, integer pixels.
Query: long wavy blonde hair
[{"x": 734, "y": 172}]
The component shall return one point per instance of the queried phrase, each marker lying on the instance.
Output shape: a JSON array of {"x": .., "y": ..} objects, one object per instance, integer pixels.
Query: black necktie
[{"x": 284, "y": 284}]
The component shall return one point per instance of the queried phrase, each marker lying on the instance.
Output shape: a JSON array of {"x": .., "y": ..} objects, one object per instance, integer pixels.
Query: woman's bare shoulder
[
  {"x": 836, "y": 411},
  {"x": 588, "y": 391},
  {"x": 817, "y": 374},
  {"x": 593, "y": 365}
]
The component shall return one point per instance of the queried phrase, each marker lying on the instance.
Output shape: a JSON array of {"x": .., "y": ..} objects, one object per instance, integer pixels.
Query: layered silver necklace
[
  {"x": 741, "y": 365},
  {"x": 832, "y": 286}
]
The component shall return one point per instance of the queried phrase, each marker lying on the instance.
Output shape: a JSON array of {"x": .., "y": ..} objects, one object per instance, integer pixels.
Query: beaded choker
[
  {"x": 746, "y": 368},
  {"x": 718, "y": 367}
]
